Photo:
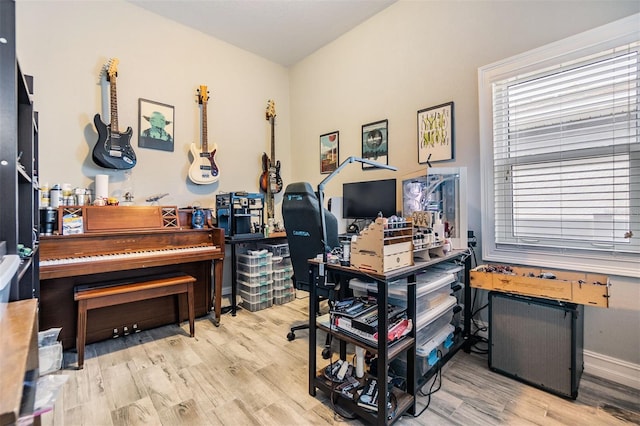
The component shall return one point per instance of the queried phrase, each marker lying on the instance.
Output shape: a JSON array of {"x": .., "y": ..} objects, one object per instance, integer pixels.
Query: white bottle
[{"x": 438, "y": 228}]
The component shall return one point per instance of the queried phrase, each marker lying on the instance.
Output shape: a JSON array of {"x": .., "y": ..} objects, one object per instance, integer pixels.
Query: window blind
[{"x": 566, "y": 155}]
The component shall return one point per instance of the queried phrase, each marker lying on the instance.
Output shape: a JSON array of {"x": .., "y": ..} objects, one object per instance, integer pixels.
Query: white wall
[
  {"x": 417, "y": 54},
  {"x": 64, "y": 44}
]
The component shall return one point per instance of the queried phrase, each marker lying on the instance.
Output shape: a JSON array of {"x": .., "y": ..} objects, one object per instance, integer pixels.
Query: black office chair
[{"x": 301, "y": 214}]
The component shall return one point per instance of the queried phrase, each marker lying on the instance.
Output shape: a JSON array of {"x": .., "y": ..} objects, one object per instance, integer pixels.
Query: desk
[
  {"x": 233, "y": 241},
  {"x": 385, "y": 353}
]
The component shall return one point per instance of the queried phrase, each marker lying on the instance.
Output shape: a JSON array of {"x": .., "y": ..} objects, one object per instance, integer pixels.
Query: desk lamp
[{"x": 321, "y": 186}]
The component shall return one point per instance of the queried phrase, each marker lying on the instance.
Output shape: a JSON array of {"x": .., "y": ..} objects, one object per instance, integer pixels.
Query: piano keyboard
[{"x": 127, "y": 255}]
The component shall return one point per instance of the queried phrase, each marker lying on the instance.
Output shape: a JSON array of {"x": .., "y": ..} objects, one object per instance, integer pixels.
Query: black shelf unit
[
  {"x": 385, "y": 353},
  {"x": 19, "y": 187}
]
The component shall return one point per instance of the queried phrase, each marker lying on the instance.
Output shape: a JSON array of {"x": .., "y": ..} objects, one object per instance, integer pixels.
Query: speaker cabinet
[{"x": 537, "y": 341}]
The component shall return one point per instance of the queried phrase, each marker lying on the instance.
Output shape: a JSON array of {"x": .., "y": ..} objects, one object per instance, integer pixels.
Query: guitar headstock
[
  {"x": 271, "y": 110},
  {"x": 203, "y": 95},
  {"x": 112, "y": 68}
]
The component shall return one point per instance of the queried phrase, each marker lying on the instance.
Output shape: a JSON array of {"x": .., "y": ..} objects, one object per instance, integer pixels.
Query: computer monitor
[{"x": 364, "y": 200}]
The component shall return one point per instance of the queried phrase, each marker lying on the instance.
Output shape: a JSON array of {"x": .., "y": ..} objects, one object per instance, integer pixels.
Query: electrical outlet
[{"x": 471, "y": 238}]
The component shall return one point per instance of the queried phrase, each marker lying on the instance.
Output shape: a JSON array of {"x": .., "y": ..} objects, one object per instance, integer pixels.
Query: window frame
[{"x": 609, "y": 36}]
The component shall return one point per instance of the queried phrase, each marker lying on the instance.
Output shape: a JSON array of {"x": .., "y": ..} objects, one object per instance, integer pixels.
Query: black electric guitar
[
  {"x": 204, "y": 169},
  {"x": 113, "y": 149}
]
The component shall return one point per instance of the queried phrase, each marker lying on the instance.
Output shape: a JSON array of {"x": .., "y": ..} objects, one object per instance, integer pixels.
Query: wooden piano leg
[
  {"x": 81, "y": 331},
  {"x": 192, "y": 311},
  {"x": 217, "y": 277}
]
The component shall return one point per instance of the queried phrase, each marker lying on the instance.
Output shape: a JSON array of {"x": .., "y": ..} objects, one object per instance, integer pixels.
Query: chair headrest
[{"x": 300, "y": 188}]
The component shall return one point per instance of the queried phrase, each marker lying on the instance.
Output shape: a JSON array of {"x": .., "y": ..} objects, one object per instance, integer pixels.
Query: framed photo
[
  {"x": 155, "y": 124},
  {"x": 435, "y": 133},
  {"x": 375, "y": 143},
  {"x": 329, "y": 152}
]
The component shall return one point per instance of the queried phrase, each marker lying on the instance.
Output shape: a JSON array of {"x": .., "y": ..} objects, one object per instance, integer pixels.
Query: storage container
[
  {"x": 264, "y": 292},
  {"x": 275, "y": 249},
  {"x": 429, "y": 354},
  {"x": 259, "y": 268},
  {"x": 50, "y": 358},
  {"x": 426, "y": 355},
  {"x": 430, "y": 322},
  {"x": 254, "y": 259},
  {"x": 282, "y": 274},
  {"x": 255, "y": 288},
  {"x": 285, "y": 297},
  {"x": 258, "y": 279},
  {"x": 258, "y": 305},
  {"x": 280, "y": 262},
  {"x": 431, "y": 290}
]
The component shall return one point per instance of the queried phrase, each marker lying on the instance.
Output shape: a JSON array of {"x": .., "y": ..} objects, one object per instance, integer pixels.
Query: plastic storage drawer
[
  {"x": 258, "y": 305},
  {"x": 432, "y": 289},
  {"x": 430, "y": 322},
  {"x": 275, "y": 249},
  {"x": 254, "y": 288},
  {"x": 254, "y": 278},
  {"x": 254, "y": 259},
  {"x": 429, "y": 354},
  {"x": 264, "y": 268},
  {"x": 282, "y": 274},
  {"x": 284, "y": 296}
]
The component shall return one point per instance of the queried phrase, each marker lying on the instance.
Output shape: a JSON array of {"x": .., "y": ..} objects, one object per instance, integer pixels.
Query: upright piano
[{"x": 118, "y": 243}]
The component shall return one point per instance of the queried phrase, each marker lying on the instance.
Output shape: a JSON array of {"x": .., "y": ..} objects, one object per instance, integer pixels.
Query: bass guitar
[
  {"x": 270, "y": 180},
  {"x": 203, "y": 169},
  {"x": 113, "y": 149}
]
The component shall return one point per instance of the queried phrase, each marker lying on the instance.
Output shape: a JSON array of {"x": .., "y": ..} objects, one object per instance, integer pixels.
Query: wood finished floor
[{"x": 245, "y": 372}]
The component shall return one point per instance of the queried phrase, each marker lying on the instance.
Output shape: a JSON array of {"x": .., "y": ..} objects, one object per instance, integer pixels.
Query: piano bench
[{"x": 130, "y": 291}]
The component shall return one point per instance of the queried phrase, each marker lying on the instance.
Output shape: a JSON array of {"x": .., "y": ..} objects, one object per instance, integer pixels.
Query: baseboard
[{"x": 613, "y": 369}]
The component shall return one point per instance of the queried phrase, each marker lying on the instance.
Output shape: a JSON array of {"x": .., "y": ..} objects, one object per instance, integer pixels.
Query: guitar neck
[
  {"x": 114, "y": 105},
  {"x": 273, "y": 140},
  {"x": 205, "y": 144}
]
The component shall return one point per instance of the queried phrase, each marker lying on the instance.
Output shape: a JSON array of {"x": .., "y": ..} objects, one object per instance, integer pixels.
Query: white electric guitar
[{"x": 204, "y": 169}]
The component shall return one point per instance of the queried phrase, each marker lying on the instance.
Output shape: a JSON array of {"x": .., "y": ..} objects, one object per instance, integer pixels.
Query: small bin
[
  {"x": 430, "y": 322},
  {"x": 263, "y": 268},
  {"x": 258, "y": 305},
  {"x": 280, "y": 262},
  {"x": 282, "y": 274},
  {"x": 275, "y": 249},
  {"x": 432, "y": 289},
  {"x": 254, "y": 279},
  {"x": 254, "y": 288},
  {"x": 427, "y": 355},
  {"x": 254, "y": 259},
  {"x": 49, "y": 351},
  {"x": 282, "y": 296},
  {"x": 264, "y": 293}
]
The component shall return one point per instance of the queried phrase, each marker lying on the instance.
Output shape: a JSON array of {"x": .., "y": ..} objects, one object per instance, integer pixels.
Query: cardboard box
[{"x": 575, "y": 287}]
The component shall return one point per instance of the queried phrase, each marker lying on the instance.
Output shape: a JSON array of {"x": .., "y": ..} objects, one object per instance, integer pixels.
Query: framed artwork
[
  {"x": 329, "y": 152},
  {"x": 375, "y": 143},
  {"x": 435, "y": 133},
  {"x": 155, "y": 124}
]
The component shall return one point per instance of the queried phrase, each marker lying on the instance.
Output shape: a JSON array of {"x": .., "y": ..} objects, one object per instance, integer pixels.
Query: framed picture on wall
[
  {"x": 435, "y": 133},
  {"x": 375, "y": 143},
  {"x": 155, "y": 124},
  {"x": 329, "y": 152}
]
